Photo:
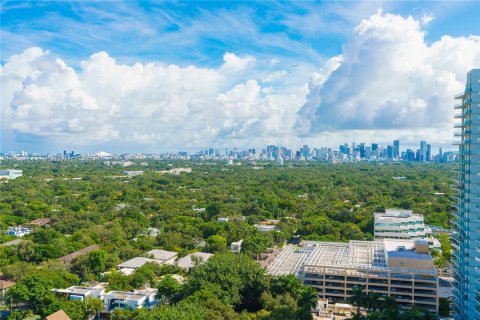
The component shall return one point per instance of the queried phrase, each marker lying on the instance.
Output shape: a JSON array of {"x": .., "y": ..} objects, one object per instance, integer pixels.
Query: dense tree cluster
[
  {"x": 90, "y": 203},
  {"x": 379, "y": 308}
]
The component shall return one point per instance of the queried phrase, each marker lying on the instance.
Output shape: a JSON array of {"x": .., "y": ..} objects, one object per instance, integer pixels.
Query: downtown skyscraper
[{"x": 466, "y": 242}]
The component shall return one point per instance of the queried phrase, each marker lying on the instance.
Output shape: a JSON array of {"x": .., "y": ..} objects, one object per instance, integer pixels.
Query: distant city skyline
[
  {"x": 155, "y": 76},
  {"x": 424, "y": 152}
]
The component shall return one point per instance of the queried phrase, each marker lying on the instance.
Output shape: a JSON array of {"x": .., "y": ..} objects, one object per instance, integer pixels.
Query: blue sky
[
  {"x": 291, "y": 41},
  {"x": 200, "y": 32}
]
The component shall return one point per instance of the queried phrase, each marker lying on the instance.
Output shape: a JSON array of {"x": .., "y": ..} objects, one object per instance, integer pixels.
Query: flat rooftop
[
  {"x": 187, "y": 262},
  {"x": 127, "y": 296},
  {"x": 371, "y": 255},
  {"x": 289, "y": 261},
  {"x": 162, "y": 254},
  {"x": 137, "y": 262},
  {"x": 396, "y": 213}
]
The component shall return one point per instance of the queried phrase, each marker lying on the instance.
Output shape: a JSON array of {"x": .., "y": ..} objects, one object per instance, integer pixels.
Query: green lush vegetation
[
  {"x": 384, "y": 309},
  {"x": 90, "y": 203}
]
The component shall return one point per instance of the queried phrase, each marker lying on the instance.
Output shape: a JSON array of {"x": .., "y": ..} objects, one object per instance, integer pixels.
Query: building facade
[
  {"x": 10, "y": 174},
  {"x": 466, "y": 241},
  {"x": 403, "y": 224},
  {"x": 403, "y": 269}
]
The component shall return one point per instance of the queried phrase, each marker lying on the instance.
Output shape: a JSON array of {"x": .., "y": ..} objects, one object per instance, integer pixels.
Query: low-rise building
[
  {"x": 189, "y": 260},
  {"x": 4, "y": 286},
  {"x": 265, "y": 228},
  {"x": 129, "y": 266},
  {"x": 112, "y": 300},
  {"x": 155, "y": 256},
  {"x": 163, "y": 256},
  {"x": 199, "y": 209},
  {"x": 67, "y": 259},
  {"x": 18, "y": 231},
  {"x": 131, "y": 300},
  {"x": 59, "y": 315},
  {"x": 40, "y": 222},
  {"x": 133, "y": 173},
  {"x": 152, "y": 232},
  {"x": 236, "y": 247},
  {"x": 82, "y": 293},
  {"x": 10, "y": 174},
  {"x": 403, "y": 269},
  {"x": 180, "y": 170}
]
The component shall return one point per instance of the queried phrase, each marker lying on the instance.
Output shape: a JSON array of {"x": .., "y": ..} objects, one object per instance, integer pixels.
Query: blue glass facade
[{"x": 466, "y": 241}]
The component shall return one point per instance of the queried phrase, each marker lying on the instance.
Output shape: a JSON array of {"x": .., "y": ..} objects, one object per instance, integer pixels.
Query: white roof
[
  {"x": 162, "y": 254},
  {"x": 187, "y": 262},
  {"x": 136, "y": 262},
  {"x": 127, "y": 271},
  {"x": 126, "y": 296}
]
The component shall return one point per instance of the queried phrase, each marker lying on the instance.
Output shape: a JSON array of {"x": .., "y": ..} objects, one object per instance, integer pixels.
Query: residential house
[
  {"x": 132, "y": 300},
  {"x": 18, "y": 231},
  {"x": 4, "y": 286},
  {"x": 67, "y": 260},
  {"x": 163, "y": 256},
  {"x": 82, "y": 293},
  {"x": 59, "y": 315},
  {"x": 236, "y": 247},
  {"x": 188, "y": 261}
]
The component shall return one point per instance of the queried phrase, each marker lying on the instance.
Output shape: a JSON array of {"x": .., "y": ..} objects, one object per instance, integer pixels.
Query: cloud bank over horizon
[
  {"x": 388, "y": 77},
  {"x": 387, "y": 83}
]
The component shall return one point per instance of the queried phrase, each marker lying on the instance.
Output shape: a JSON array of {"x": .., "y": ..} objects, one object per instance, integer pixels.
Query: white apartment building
[
  {"x": 131, "y": 300},
  {"x": 133, "y": 173},
  {"x": 403, "y": 224},
  {"x": 10, "y": 174},
  {"x": 82, "y": 293},
  {"x": 112, "y": 300}
]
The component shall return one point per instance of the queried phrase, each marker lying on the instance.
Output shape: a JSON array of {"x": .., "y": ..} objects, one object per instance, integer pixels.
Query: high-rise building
[
  {"x": 409, "y": 155},
  {"x": 374, "y": 146},
  {"x": 305, "y": 152},
  {"x": 429, "y": 152},
  {"x": 423, "y": 151},
  {"x": 389, "y": 152},
  {"x": 361, "y": 148},
  {"x": 396, "y": 149},
  {"x": 466, "y": 241}
]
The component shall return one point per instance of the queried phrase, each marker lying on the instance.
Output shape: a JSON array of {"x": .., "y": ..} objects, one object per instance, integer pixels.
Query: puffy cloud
[
  {"x": 150, "y": 104},
  {"x": 387, "y": 83},
  {"x": 388, "y": 77}
]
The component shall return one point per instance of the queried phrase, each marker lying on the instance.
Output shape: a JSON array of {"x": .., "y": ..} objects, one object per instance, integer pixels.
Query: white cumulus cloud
[
  {"x": 387, "y": 83},
  {"x": 389, "y": 78},
  {"x": 149, "y": 104}
]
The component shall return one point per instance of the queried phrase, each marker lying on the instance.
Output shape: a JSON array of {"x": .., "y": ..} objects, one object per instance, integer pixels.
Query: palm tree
[
  {"x": 390, "y": 308},
  {"x": 357, "y": 298},
  {"x": 308, "y": 298},
  {"x": 306, "y": 302},
  {"x": 288, "y": 283},
  {"x": 373, "y": 301}
]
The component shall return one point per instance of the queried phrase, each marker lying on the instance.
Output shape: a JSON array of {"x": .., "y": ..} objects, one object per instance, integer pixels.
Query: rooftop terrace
[{"x": 371, "y": 255}]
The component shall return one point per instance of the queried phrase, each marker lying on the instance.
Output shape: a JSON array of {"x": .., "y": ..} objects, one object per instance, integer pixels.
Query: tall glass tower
[{"x": 466, "y": 241}]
